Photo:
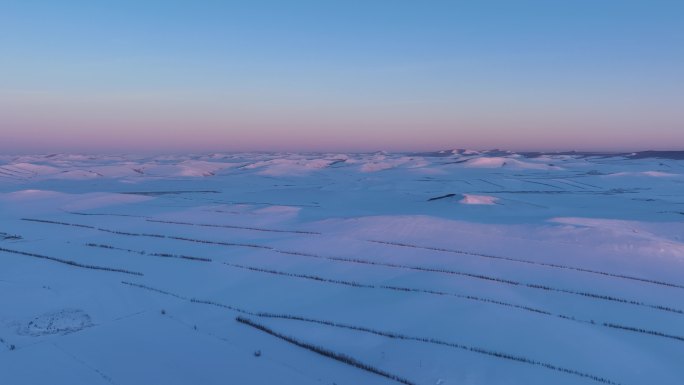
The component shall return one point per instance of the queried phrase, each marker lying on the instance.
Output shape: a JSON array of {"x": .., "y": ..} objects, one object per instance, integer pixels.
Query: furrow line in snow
[{"x": 85, "y": 364}]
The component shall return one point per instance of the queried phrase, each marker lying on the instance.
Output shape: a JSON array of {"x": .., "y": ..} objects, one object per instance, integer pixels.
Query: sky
[{"x": 323, "y": 75}]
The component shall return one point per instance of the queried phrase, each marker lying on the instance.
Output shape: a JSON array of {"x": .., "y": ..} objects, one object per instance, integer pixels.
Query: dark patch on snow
[
  {"x": 9, "y": 237},
  {"x": 442, "y": 197},
  {"x": 337, "y": 162}
]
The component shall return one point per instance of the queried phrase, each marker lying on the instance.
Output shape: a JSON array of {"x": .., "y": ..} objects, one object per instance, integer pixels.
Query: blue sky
[{"x": 340, "y": 75}]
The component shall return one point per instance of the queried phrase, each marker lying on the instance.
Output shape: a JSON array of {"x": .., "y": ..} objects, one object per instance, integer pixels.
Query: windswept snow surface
[
  {"x": 470, "y": 199},
  {"x": 451, "y": 267}
]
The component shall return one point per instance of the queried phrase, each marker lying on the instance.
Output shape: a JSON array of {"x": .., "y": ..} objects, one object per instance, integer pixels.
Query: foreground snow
[{"x": 439, "y": 268}]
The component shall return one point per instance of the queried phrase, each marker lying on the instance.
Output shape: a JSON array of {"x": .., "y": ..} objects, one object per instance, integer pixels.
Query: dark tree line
[
  {"x": 345, "y": 359},
  {"x": 531, "y": 262},
  {"x": 446, "y": 271},
  {"x": 143, "y": 252},
  {"x": 70, "y": 262},
  {"x": 235, "y": 227},
  {"x": 474, "y": 349}
]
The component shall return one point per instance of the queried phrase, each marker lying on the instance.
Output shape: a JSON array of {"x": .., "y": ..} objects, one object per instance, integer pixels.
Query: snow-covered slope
[{"x": 453, "y": 267}]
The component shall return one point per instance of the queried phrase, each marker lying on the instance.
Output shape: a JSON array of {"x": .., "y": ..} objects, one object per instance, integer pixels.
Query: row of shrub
[
  {"x": 105, "y": 215},
  {"x": 606, "y": 298},
  {"x": 488, "y": 352},
  {"x": 140, "y": 286},
  {"x": 325, "y": 352},
  {"x": 194, "y": 300},
  {"x": 530, "y": 262},
  {"x": 92, "y": 228},
  {"x": 149, "y": 235},
  {"x": 395, "y": 288},
  {"x": 235, "y": 227},
  {"x": 304, "y": 276},
  {"x": 643, "y": 331},
  {"x": 434, "y": 292},
  {"x": 490, "y": 278},
  {"x": 446, "y": 271},
  {"x": 477, "y": 276},
  {"x": 70, "y": 262},
  {"x": 407, "y": 267},
  {"x": 251, "y": 245},
  {"x": 143, "y": 252}
]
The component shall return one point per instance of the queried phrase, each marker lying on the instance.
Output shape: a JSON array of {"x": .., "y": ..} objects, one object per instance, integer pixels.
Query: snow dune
[{"x": 450, "y": 267}]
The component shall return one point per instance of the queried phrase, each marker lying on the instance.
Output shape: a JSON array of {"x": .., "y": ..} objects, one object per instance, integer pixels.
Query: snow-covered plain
[{"x": 453, "y": 267}]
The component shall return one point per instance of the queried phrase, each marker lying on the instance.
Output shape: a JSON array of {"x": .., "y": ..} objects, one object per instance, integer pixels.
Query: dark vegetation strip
[
  {"x": 155, "y": 290},
  {"x": 399, "y": 288},
  {"x": 312, "y": 205},
  {"x": 493, "y": 279},
  {"x": 7, "y": 344},
  {"x": 530, "y": 262},
  {"x": 471, "y": 275},
  {"x": 142, "y": 252},
  {"x": 194, "y": 300},
  {"x": 250, "y": 245},
  {"x": 106, "y": 214},
  {"x": 70, "y": 262},
  {"x": 643, "y": 331},
  {"x": 235, "y": 227},
  {"x": 473, "y": 349},
  {"x": 469, "y": 297},
  {"x": 149, "y": 235},
  {"x": 606, "y": 298},
  {"x": 345, "y": 359},
  {"x": 441, "y": 197},
  {"x": 488, "y": 352},
  {"x": 352, "y": 327},
  {"x": 398, "y": 266},
  {"x": 158, "y": 193}
]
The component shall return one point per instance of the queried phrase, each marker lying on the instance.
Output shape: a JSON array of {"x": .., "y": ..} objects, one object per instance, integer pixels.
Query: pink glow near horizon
[{"x": 39, "y": 123}]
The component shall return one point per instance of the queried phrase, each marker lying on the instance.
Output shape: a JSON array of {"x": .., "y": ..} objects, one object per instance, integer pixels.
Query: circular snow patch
[{"x": 58, "y": 322}]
